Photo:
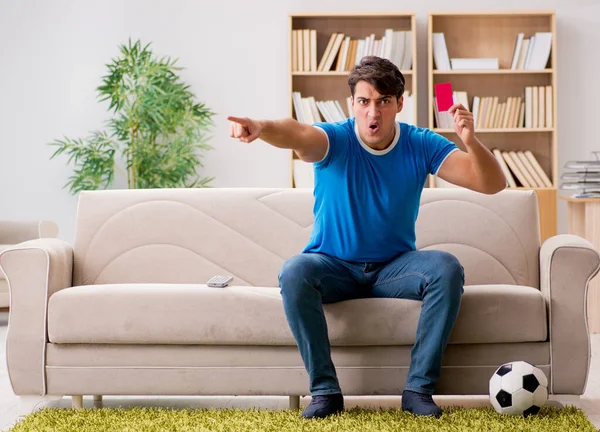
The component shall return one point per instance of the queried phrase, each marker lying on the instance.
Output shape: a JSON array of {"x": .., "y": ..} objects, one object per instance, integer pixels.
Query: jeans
[{"x": 309, "y": 280}]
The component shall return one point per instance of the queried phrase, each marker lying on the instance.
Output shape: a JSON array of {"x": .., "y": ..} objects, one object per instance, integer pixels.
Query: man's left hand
[{"x": 463, "y": 123}]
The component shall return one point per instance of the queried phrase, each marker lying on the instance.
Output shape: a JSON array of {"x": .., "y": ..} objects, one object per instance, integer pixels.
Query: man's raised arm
[{"x": 308, "y": 142}]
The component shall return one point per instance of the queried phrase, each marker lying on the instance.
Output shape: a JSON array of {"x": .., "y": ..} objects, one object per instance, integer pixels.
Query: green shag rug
[{"x": 355, "y": 419}]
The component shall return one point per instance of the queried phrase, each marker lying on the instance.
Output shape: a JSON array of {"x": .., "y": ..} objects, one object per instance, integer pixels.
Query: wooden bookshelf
[
  {"x": 490, "y": 34},
  {"x": 333, "y": 85}
]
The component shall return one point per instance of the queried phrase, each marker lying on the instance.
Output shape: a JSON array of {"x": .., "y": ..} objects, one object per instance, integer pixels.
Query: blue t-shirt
[{"x": 366, "y": 200}]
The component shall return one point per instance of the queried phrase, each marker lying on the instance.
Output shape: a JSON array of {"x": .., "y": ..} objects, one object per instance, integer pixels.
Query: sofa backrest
[{"x": 190, "y": 235}]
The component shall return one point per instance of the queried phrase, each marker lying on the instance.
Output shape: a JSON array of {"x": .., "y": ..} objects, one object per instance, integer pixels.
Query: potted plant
[{"x": 158, "y": 128}]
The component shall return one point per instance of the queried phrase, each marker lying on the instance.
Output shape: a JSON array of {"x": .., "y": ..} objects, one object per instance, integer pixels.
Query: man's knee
[
  {"x": 293, "y": 267},
  {"x": 449, "y": 269},
  {"x": 296, "y": 270}
]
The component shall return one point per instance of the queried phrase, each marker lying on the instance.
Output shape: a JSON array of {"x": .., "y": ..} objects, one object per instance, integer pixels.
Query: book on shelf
[
  {"x": 308, "y": 110},
  {"x": 538, "y": 168},
  {"x": 440, "y": 52},
  {"x": 521, "y": 46},
  {"x": 530, "y": 53},
  {"x": 529, "y": 180},
  {"x": 521, "y": 168},
  {"x": 533, "y": 109},
  {"x": 539, "y": 107},
  {"x": 505, "y": 168},
  {"x": 304, "y": 50},
  {"x": 494, "y": 113},
  {"x": 342, "y": 52},
  {"x": 474, "y": 63}
]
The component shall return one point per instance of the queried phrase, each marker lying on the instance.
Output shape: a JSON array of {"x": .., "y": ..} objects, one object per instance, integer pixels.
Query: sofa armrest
[
  {"x": 567, "y": 263},
  {"x": 13, "y": 232},
  {"x": 35, "y": 270}
]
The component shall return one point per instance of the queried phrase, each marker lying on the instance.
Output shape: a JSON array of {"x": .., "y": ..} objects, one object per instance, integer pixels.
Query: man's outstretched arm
[{"x": 308, "y": 142}]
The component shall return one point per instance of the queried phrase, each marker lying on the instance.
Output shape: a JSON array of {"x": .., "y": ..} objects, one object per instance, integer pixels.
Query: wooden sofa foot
[
  {"x": 294, "y": 402},
  {"x": 97, "y": 401},
  {"x": 77, "y": 402}
]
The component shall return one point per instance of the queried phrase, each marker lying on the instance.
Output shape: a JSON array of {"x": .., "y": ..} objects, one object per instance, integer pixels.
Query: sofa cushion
[
  {"x": 236, "y": 315},
  {"x": 187, "y": 235}
]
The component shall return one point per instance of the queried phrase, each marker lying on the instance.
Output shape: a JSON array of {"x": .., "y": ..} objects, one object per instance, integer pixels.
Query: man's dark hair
[{"x": 380, "y": 73}]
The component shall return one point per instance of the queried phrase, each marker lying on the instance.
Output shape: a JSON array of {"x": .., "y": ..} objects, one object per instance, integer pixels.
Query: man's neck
[{"x": 382, "y": 145}]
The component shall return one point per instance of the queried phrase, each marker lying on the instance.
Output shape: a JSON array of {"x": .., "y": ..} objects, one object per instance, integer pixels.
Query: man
[{"x": 369, "y": 174}]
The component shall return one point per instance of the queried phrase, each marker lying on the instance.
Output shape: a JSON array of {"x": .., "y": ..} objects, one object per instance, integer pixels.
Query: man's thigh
[
  {"x": 407, "y": 275},
  {"x": 333, "y": 278}
]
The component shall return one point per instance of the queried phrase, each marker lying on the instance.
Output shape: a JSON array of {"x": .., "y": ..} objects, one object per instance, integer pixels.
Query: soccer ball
[{"x": 518, "y": 388}]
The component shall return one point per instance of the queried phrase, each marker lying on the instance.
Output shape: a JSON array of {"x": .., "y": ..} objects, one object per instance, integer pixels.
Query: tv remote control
[{"x": 219, "y": 281}]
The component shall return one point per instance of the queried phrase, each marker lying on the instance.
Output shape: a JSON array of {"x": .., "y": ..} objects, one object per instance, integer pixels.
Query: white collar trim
[{"x": 378, "y": 152}]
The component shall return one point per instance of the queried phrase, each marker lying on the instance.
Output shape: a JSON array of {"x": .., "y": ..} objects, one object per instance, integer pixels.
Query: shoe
[
  {"x": 324, "y": 405},
  {"x": 419, "y": 404}
]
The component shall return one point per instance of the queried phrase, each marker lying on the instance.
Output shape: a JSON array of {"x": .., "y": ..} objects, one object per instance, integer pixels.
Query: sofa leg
[
  {"x": 294, "y": 402},
  {"x": 77, "y": 402},
  {"x": 97, "y": 401}
]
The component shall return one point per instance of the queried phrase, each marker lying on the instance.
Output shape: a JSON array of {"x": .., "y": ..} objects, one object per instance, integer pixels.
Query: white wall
[{"x": 53, "y": 55}]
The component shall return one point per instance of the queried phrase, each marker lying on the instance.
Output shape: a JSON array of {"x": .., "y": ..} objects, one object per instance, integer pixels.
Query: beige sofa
[
  {"x": 124, "y": 311},
  {"x": 14, "y": 232}
]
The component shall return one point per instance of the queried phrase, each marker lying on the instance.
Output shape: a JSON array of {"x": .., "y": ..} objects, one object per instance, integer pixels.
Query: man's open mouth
[{"x": 373, "y": 127}]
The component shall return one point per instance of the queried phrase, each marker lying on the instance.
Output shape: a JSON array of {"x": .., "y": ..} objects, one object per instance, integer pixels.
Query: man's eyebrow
[
  {"x": 380, "y": 98},
  {"x": 366, "y": 98}
]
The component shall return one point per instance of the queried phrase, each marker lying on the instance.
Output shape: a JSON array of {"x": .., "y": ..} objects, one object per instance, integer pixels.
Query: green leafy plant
[{"x": 159, "y": 129}]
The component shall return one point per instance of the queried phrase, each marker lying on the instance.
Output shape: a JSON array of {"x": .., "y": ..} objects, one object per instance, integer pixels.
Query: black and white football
[{"x": 518, "y": 388}]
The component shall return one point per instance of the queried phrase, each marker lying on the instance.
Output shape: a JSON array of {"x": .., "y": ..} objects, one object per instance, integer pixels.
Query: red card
[{"x": 444, "y": 98}]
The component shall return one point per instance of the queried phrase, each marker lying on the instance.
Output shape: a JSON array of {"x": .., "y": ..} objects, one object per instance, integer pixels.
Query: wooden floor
[{"x": 10, "y": 404}]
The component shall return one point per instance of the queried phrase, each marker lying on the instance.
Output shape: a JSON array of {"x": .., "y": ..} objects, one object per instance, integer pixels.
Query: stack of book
[
  {"x": 529, "y": 53},
  {"x": 585, "y": 178},
  {"x": 342, "y": 52},
  {"x": 521, "y": 168},
  {"x": 532, "y": 52},
  {"x": 533, "y": 109},
  {"x": 308, "y": 110}
]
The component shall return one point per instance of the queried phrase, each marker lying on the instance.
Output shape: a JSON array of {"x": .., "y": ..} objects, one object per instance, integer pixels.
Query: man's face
[{"x": 375, "y": 115}]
